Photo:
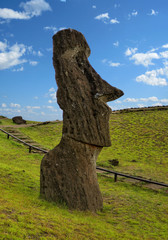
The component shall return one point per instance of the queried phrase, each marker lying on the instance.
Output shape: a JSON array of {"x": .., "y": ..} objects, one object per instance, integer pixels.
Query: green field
[{"x": 132, "y": 210}]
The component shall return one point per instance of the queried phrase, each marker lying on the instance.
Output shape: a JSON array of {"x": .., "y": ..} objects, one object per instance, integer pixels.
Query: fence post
[
  {"x": 30, "y": 149},
  {"x": 7, "y": 136},
  {"x": 115, "y": 177}
]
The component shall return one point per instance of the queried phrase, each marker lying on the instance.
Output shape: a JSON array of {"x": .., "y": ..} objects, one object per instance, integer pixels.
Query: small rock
[
  {"x": 114, "y": 162},
  {"x": 18, "y": 120}
]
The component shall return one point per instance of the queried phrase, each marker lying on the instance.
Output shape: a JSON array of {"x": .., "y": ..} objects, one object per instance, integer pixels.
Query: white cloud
[
  {"x": 10, "y": 111},
  {"x": 141, "y": 105},
  {"x": 49, "y": 107},
  {"x": 134, "y": 13},
  {"x": 33, "y": 63},
  {"x": 15, "y": 105},
  {"x": 131, "y": 100},
  {"x": 53, "y": 95},
  {"x": 153, "y": 50},
  {"x": 114, "y": 21},
  {"x": 148, "y": 99},
  {"x": 116, "y": 5},
  {"x": 49, "y": 49},
  {"x": 144, "y": 59},
  {"x": 54, "y": 110},
  {"x": 30, "y": 50},
  {"x": 4, "y": 21},
  {"x": 7, "y": 13},
  {"x": 52, "y": 89},
  {"x": 152, "y": 99},
  {"x": 51, "y": 28},
  {"x": 18, "y": 69},
  {"x": 33, "y": 52},
  {"x": 12, "y": 56},
  {"x": 31, "y": 8},
  {"x": 106, "y": 19},
  {"x": 94, "y": 6},
  {"x": 36, "y": 107},
  {"x": 153, "y": 13},
  {"x": 114, "y": 64},
  {"x": 102, "y": 16},
  {"x": 165, "y": 63},
  {"x": 33, "y": 107},
  {"x": 4, "y": 105},
  {"x": 164, "y": 54},
  {"x": 130, "y": 51},
  {"x": 156, "y": 77},
  {"x": 117, "y": 101},
  {"x": 116, "y": 44},
  {"x": 153, "y": 77},
  {"x": 35, "y": 7},
  {"x": 39, "y": 54},
  {"x": 54, "y": 29},
  {"x": 104, "y": 60},
  {"x": 165, "y": 46},
  {"x": 157, "y": 104},
  {"x": 3, "y": 46},
  {"x": 164, "y": 101},
  {"x": 110, "y": 63}
]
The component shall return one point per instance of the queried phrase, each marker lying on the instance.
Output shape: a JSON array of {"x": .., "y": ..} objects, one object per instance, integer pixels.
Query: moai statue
[{"x": 68, "y": 172}]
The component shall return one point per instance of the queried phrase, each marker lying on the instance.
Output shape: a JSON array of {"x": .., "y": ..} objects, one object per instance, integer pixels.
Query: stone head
[{"x": 82, "y": 94}]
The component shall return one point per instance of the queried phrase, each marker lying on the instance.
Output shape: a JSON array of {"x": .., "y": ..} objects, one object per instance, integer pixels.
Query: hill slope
[
  {"x": 139, "y": 142},
  {"x": 131, "y": 211}
]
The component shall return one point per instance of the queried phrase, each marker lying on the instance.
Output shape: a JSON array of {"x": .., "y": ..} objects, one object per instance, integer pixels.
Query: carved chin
[{"x": 89, "y": 125}]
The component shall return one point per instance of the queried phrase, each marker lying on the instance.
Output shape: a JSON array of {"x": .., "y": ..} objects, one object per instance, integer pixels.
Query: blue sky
[{"x": 129, "y": 49}]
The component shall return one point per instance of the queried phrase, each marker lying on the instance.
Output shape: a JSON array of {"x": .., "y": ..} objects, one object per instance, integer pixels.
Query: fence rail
[
  {"x": 132, "y": 177},
  {"x": 98, "y": 168},
  {"x": 27, "y": 144}
]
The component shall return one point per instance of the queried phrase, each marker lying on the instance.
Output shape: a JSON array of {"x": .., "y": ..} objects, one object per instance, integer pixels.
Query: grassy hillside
[
  {"x": 131, "y": 211},
  {"x": 5, "y": 121},
  {"x": 139, "y": 141}
]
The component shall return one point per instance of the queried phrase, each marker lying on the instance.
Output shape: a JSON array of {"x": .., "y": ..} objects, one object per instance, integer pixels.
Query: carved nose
[{"x": 106, "y": 92}]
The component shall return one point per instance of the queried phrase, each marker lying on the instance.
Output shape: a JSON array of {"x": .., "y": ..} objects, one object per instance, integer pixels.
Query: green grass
[
  {"x": 6, "y": 121},
  {"x": 139, "y": 141},
  {"x": 131, "y": 211},
  {"x": 47, "y": 135}
]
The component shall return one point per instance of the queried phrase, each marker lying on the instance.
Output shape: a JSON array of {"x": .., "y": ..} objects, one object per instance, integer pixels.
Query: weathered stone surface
[
  {"x": 19, "y": 120},
  {"x": 68, "y": 172},
  {"x": 82, "y": 93},
  {"x": 69, "y": 175}
]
